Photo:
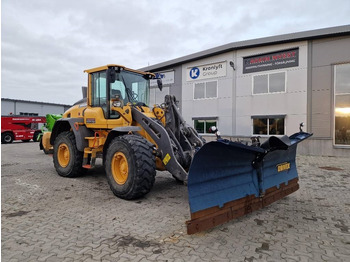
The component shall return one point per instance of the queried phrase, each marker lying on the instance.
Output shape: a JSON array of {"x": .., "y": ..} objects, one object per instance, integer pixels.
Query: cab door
[{"x": 99, "y": 114}]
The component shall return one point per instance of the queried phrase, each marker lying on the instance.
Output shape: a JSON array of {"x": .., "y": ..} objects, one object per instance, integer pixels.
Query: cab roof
[{"x": 101, "y": 68}]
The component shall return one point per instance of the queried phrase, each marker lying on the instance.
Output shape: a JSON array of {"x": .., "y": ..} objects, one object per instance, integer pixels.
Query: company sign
[
  {"x": 167, "y": 78},
  {"x": 271, "y": 61},
  {"x": 206, "y": 71}
]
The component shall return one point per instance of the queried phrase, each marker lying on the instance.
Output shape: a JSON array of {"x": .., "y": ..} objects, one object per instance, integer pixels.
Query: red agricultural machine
[{"x": 22, "y": 128}]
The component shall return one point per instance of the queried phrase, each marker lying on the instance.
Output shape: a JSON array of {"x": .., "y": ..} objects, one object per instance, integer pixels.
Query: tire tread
[
  {"x": 77, "y": 169},
  {"x": 145, "y": 166}
]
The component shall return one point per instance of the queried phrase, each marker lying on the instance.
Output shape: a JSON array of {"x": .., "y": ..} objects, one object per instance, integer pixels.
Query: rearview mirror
[
  {"x": 84, "y": 91},
  {"x": 111, "y": 74},
  {"x": 160, "y": 84}
]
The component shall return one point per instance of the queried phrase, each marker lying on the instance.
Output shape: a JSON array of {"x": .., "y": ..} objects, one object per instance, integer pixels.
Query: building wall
[
  {"x": 170, "y": 87},
  {"x": 309, "y": 95},
  {"x": 222, "y": 107},
  {"x": 325, "y": 54},
  {"x": 16, "y": 107},
  {"x": 235, "y": 104},
  {"x": 7, "y": 107},
  {"x": 292, "y": 103}
]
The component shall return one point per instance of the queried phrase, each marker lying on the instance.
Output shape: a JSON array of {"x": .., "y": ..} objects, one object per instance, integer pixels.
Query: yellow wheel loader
[{"x": 225, "y": 179}]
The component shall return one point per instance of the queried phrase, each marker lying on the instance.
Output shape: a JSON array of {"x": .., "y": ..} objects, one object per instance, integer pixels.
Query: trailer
[{"x": 22, "y": 128}]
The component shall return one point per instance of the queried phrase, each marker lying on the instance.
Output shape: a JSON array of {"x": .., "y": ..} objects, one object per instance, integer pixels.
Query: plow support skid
[{"x": 229, "y": 179}]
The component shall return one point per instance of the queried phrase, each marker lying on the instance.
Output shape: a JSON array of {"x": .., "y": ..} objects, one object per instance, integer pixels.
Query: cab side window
[
  {"x": 99, "y": 91},
  {"x": 117, "y": 97}
]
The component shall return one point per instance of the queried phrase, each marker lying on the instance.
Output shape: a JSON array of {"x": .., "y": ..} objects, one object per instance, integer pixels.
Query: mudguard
[
  {"x": 80, "y": 131},
  {"x": 230, "y": 179}
]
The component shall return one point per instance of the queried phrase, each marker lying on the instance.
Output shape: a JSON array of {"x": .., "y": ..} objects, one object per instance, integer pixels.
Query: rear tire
[
  {"x": 42, "y": 147},
  {"x": 36, "y": 136},
  {"x": 67, "y": 158},
  {"x": 130, "y": 166},
  {"x": 6, "y": 138}
]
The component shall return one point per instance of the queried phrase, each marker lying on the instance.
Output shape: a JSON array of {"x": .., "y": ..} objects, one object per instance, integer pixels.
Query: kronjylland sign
[{"x": 271, "y": 61}]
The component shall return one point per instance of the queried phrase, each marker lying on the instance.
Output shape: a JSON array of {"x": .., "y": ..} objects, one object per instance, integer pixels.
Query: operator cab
[{"x": 116, "y": 86}]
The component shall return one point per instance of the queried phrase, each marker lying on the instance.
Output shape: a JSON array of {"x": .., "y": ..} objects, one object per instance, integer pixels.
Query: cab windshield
[{"x": 130, "y": 87}]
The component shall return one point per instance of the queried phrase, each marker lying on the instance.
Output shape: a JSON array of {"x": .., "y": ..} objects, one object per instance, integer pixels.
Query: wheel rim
[
  {"x": 63, "y": 155},
  {"x": 7, "y": 138},
  {"x": 120, "y": 168}
]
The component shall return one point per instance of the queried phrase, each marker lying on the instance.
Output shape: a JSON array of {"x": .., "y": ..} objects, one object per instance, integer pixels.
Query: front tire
[
  {"x": 7, "y": 138},
  {"x": 130, "y": 166},
  {"x": 67, "y": 158}
]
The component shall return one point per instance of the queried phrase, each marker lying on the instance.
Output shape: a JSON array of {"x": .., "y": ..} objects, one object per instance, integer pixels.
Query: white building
[
  {"x": 30, "y": 108},
  {"x": 267, "y": 87}
]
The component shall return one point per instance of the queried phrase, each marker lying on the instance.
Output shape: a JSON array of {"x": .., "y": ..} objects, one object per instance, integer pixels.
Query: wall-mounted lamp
[{"x": 232, "y": 65}]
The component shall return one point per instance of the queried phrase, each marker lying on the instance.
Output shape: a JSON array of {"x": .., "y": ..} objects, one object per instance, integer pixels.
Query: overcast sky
[{"x": 46, "y": 44}]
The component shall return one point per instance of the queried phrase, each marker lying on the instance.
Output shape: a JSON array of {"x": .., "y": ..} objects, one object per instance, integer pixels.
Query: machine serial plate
[
  {"x": 283, "y": 167},
  {"x": 91, "y": 120}
]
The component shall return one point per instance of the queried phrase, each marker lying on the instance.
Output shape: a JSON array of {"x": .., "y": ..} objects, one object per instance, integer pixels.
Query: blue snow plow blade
[{"x": 230, "y": 179}]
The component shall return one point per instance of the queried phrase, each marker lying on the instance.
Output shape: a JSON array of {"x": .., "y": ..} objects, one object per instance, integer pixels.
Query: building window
[
  {"x": 206, "y": 90},
  {"x": 342, "y": 104},
  {"x": 268, "y": 125},
  {"x": 28, "y": 114},
  {"x": 269, "y": 83},
  {"x": 202, "y": 125}
]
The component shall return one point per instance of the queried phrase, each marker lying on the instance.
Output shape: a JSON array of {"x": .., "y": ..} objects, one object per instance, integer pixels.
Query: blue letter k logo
[{"x": 194, "y": 72}]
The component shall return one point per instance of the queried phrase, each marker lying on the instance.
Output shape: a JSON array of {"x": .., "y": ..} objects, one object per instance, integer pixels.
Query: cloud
[{"x": 46, "y": 45}]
